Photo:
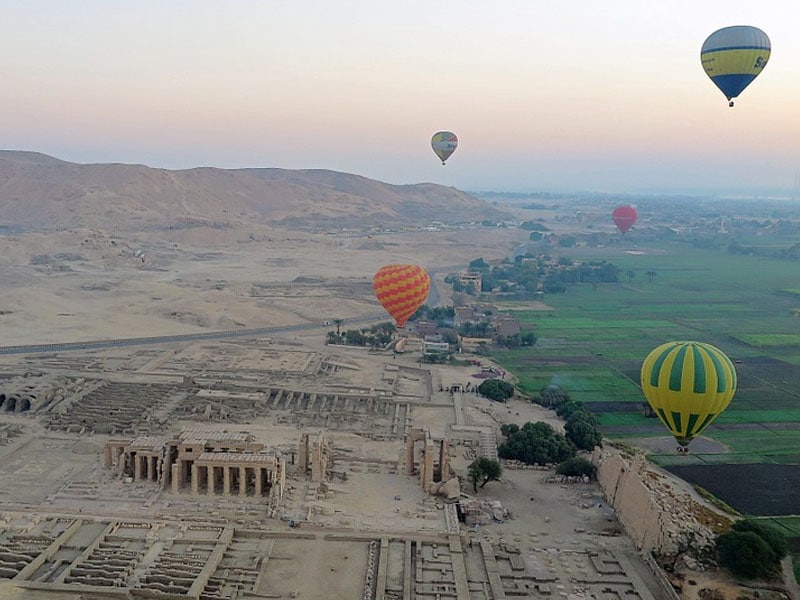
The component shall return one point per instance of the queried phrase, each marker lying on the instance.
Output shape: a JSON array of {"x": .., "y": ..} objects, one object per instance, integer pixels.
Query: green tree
[
  {"x": 338, "y": 323},
  {"x": 772, "y": 536},
  {"x": 552, "y": 396},
  {"x": 565, "y": 409},
  {"x": 536, "y": 443},
  {"x": 581, "y": 430},
  {"x": 577, "y": 466},
  {"x": 484, "y": 470},
  {"x": 747, "y": 554},
  {"x": 496, "y": 389},
  {"x": 527, "y": 339},
  {"x": 509, "y": 429},
  {"x": 478, "y": 264}
]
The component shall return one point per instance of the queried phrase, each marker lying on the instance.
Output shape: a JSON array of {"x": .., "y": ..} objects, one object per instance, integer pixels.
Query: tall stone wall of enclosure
[{"x": 660, "y": 514}]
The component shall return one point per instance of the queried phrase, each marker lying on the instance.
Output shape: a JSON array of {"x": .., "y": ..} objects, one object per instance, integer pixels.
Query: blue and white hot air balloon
[{"x": 733, "y": 57}]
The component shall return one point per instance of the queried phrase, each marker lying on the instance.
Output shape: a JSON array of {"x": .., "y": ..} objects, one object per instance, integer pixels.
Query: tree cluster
[
  {"x": 496, "y": 389},
  {"x": 790, "y": 253},
  {"x": 482, "y": 329},
  {"x": 441, "y": 315},
  {"x": 581, "y": 426},
  {"x": 533, "y": 226},
  {"x": 527, "y": 271},
  {"x": 751, "y": 549},
  {"x": 376, "y": 336},
  {"x": 517, "y": 340},
  {"x": 535, "y": 443}
]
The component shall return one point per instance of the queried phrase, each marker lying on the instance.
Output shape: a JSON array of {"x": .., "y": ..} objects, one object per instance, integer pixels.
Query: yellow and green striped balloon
[
  {"x": 688, "y": 384},
  {"x": 734, "y": 56}
]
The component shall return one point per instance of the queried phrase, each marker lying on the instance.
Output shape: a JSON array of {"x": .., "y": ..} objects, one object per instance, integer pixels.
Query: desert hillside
[{"x": 39, "y": 192}]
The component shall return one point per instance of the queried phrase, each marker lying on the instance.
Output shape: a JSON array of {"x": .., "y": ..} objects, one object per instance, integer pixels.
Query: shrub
[
  {"x": 577, "y": 466},
  {"x": 581, "y": 430},
  {"x": 772, "y": 536},
  {"x": 747, "y": 554},
  {"x": 537, "y": 443},
  {"x": 496, "y": 389}
]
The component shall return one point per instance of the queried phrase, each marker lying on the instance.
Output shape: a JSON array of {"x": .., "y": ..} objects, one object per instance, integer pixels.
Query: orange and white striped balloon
[{"x": 401, "y": 289}]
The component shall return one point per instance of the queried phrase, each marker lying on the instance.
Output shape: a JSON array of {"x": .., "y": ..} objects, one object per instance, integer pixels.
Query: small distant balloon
[
  {"x": 401, "y": 290},
  {"x": 733, "y": 57},
  {"x": 624, "y": 217},
  {"x": 444, "y": 143}
]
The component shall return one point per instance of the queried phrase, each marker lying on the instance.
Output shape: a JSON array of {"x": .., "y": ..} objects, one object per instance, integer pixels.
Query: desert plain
[{"x": 71, "y": 527}]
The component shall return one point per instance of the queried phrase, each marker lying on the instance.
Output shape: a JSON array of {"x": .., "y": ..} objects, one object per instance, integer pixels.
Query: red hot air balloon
[
  {"x": 401, "y": 289},
  {"x": 624, "y": 217}
]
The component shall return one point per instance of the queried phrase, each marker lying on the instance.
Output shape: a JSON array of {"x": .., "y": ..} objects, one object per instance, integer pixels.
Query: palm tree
[{"x": 338, "y": 323}]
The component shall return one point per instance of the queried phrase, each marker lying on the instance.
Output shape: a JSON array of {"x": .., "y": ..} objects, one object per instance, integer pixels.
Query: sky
[{"x": 543, "y": 95}]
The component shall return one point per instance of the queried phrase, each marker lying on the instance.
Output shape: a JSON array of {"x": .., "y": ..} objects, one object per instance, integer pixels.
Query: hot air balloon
[
  {"x": 624, "y": 217},
  {"x": 444, "y": 143},
  {"x": 733, "y": 57},
  {"x": 688, "y": 384},
  {"x": 401, "y": 289}
]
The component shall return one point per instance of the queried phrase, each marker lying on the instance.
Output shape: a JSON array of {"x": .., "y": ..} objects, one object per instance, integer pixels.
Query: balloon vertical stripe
[
  {"x": 401, "y": 290},
  {"x": 688, "y": 384}
]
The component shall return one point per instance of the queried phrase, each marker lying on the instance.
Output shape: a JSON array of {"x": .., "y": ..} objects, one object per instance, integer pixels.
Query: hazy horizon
[{"x": 607, "y": 97}]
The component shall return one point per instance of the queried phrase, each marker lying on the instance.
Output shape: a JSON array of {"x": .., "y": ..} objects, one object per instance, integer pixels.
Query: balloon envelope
[
  {"x": 688, "y": 384},
  {"x": 401, "y": 289},
  {"x": 734, "y": 56},
  {"x": 624, "y": 217},
  {"x": 444, "y": 143}
]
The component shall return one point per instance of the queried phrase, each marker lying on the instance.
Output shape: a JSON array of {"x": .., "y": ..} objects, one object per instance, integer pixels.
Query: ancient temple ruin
[
  {"x": 314, "y": 455},
  {"x": 205, "y": 462},
  {"x": 427, "y": 457}
]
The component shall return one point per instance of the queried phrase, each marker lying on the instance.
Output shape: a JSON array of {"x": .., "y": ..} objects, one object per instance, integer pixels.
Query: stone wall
[{"x": 658, "y": 514}]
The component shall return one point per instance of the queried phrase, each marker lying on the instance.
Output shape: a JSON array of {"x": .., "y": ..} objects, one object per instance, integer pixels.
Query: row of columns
[
  {"x": 145, "y": 467},
  {"x": 209, "y": 474}
]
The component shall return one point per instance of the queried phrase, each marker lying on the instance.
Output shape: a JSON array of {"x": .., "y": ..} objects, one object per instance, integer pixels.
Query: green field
[{"x": 595, "y": 339}]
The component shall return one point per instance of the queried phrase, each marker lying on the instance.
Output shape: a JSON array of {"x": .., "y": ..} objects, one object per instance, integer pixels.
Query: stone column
[
  {"x": 226, "y": 480},
  {"x": 303, "y": 453},
  {"x": 195, "y": 479},
  {"x": 243, "y": 481},
  {"x": 177, "y": 477},
  {"x": 427, "y": 472},
  {"x": 410, "y": 454},
  {"x": 281, "y": 476},
  {"x": 107, "y": 456},
  {"x": 137, "y": 467},
  {"x": 444, "y": 460},
  {"x": 211, "y": 479},
  {"x": 259, "y": 481}
]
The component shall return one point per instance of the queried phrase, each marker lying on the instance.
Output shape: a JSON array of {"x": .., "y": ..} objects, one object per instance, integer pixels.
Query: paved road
[
  {"x": 189, "y": 337},
  {"x": 433, "y": 299}
]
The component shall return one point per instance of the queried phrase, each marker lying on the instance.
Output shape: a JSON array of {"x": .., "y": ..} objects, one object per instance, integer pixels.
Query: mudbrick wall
[{"x": 658, "y": 514}]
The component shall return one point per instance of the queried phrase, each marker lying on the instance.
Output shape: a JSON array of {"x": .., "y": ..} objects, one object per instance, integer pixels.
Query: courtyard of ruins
[{"x": 281, "y": 468}]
